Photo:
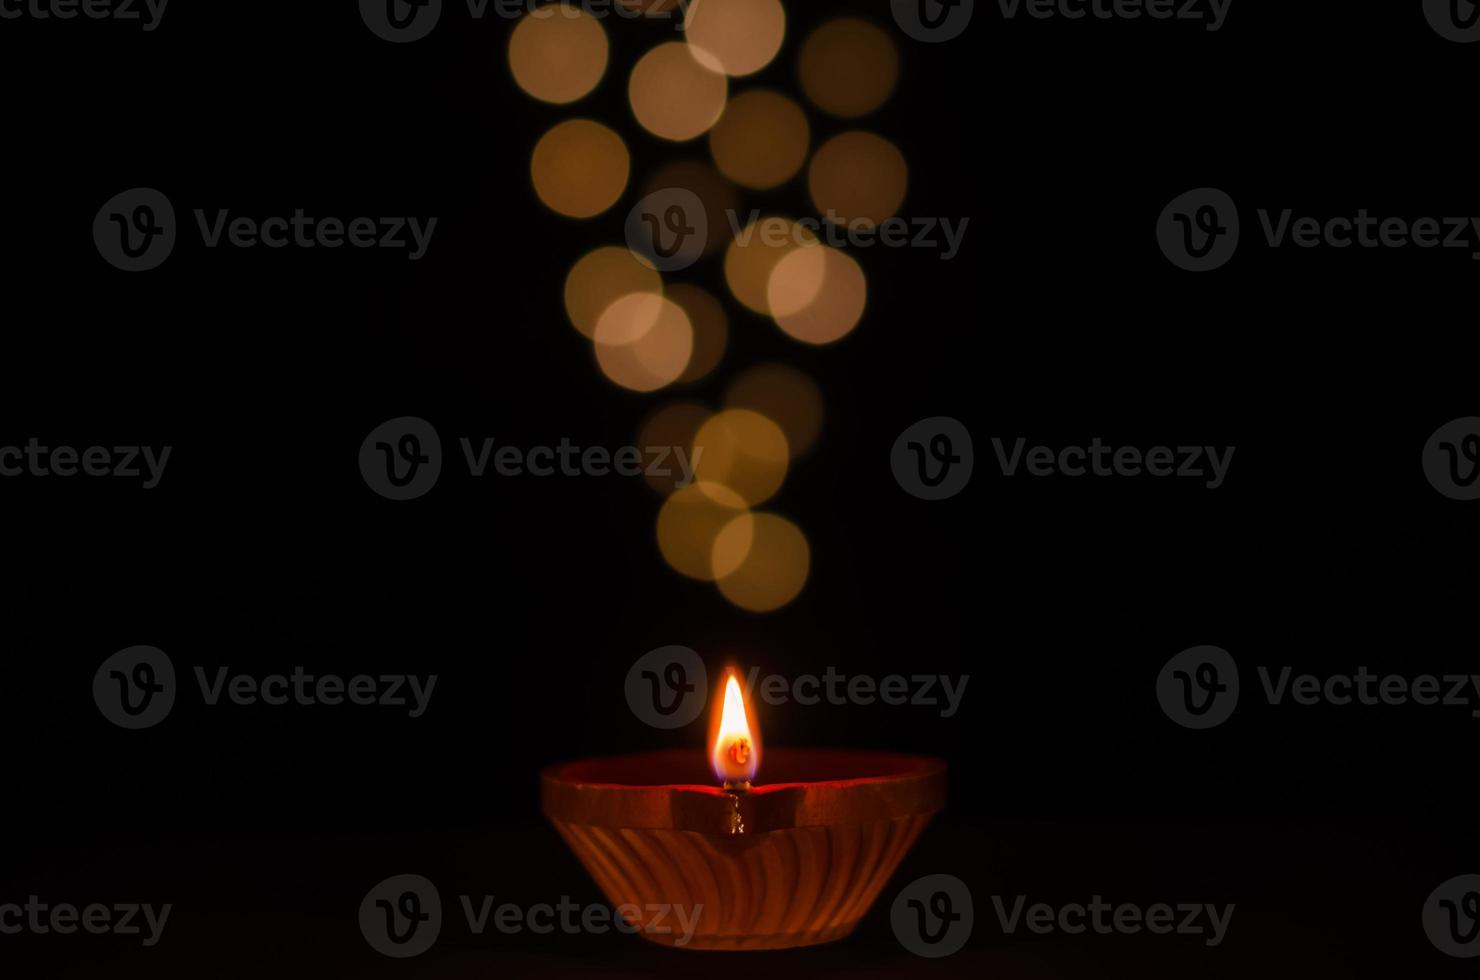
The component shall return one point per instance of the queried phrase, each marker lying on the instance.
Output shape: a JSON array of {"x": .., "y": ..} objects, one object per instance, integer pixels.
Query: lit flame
[{"x": 735, "y": 749}]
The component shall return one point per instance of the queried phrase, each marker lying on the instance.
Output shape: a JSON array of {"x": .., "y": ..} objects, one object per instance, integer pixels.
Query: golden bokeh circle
[
  {"x": 675, "y": 97},
  {"x": 849, "y": 67},
  {"x": 558, "y": 53},
  {"x": 786, "y": 396},
  {"x": 761, "y": 141},
  {"x": 737, "y": 37},
  {"x": 602, "y": 277},
  {"x": 761, "y": 561},
  {"x": 670, "y": 430},
  {"x": 718, "y": 196},
  {"x": 744, "y": 451},
  {"x": 858, "y": 177},
  {"x": 839, "y": 300},
  {"x": 580, "y": 168},
  {"x": 711, "y": 329},
  {"x": 754, "y": 254},
  {"x": 643, "y": 342},
  {"x": 688, "y": 524}
]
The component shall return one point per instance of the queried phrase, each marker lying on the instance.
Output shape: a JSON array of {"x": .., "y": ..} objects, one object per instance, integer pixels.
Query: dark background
[{"x": 1060, "y": 321}]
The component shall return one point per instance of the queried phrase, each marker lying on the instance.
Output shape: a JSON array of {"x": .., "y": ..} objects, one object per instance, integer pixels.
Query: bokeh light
[
  {"x": 849, "y": 67},
  {"x": 675, "y": 97},
  {"x": 761, "y": 561},
  {"x": 670, "y": 429},
  {"x": 786, "y": 396},
  {"x": 858, "y": 178},
  {"x": 737, "y": 37},
  {"x": 601, "y": 278},
  {"x": 754, "y": 254},
  {"x": 644, "y": 342},
  {"x": 761, "y": 141},
  {"x": 558, "y": 53},
  {"x": 711, "y": 330},
  {"x": 580, "y": 168},
  {"x": 688, "y": 524},
  {"x": 745, "y": 452},
  {"x": 840, "y": 296},
  {"x": 719, "y": 197}
]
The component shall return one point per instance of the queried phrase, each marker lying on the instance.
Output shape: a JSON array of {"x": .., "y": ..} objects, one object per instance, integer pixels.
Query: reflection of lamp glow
[
  {"x": 580, "y": 168},
  {"x": 858, "y": 177},
  {"x": 674, "y": 96},
  {"x": 849, "y": 67},
  {"x": 737, "y": 37},
  {"x": 558, "y": 53},
  {"x": 761, "y": 140},
  {"x": 754, "y": 254}
]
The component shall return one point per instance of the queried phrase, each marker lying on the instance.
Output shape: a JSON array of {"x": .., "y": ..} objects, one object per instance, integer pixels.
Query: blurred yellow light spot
[
  {"x": 754, "y": 254},
  {"x": 671, "y": 428},
  {"x": 786, "y": 396},
  {"x": 601, "y": 278},
  {"x": 689, "y": 523},
  {"x": 737, "y": 37},
  {"x": 580, "y": 168},
  {"x": 796, "y": 281},
  {"x": 849, "y": 67},
  {"x": 858, "y": 177},
  {"x": 558, "y": 53},
  {"x": 674, "y": 96},
  {"x": 761, "y": 140},
  {"x": 745, "y": 452},
  {"x": 761, "y": 561},
  {"x": 711, "y": 330},
  {"x": 644, "y": 341},
  {"x": 838, "y": 304},
  {"x": 718, "y": 195}
]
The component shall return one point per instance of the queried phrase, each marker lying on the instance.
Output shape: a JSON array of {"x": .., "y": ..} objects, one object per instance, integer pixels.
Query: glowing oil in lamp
[{"x": 795, "y": 861}]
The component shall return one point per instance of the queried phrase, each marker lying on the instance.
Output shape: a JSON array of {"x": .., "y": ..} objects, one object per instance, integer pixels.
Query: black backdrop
[{"x": 1060, "y": 321}]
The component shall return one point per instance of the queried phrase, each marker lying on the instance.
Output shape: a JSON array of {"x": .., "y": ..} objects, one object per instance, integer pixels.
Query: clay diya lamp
[{"x": 795, "y": 861}]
